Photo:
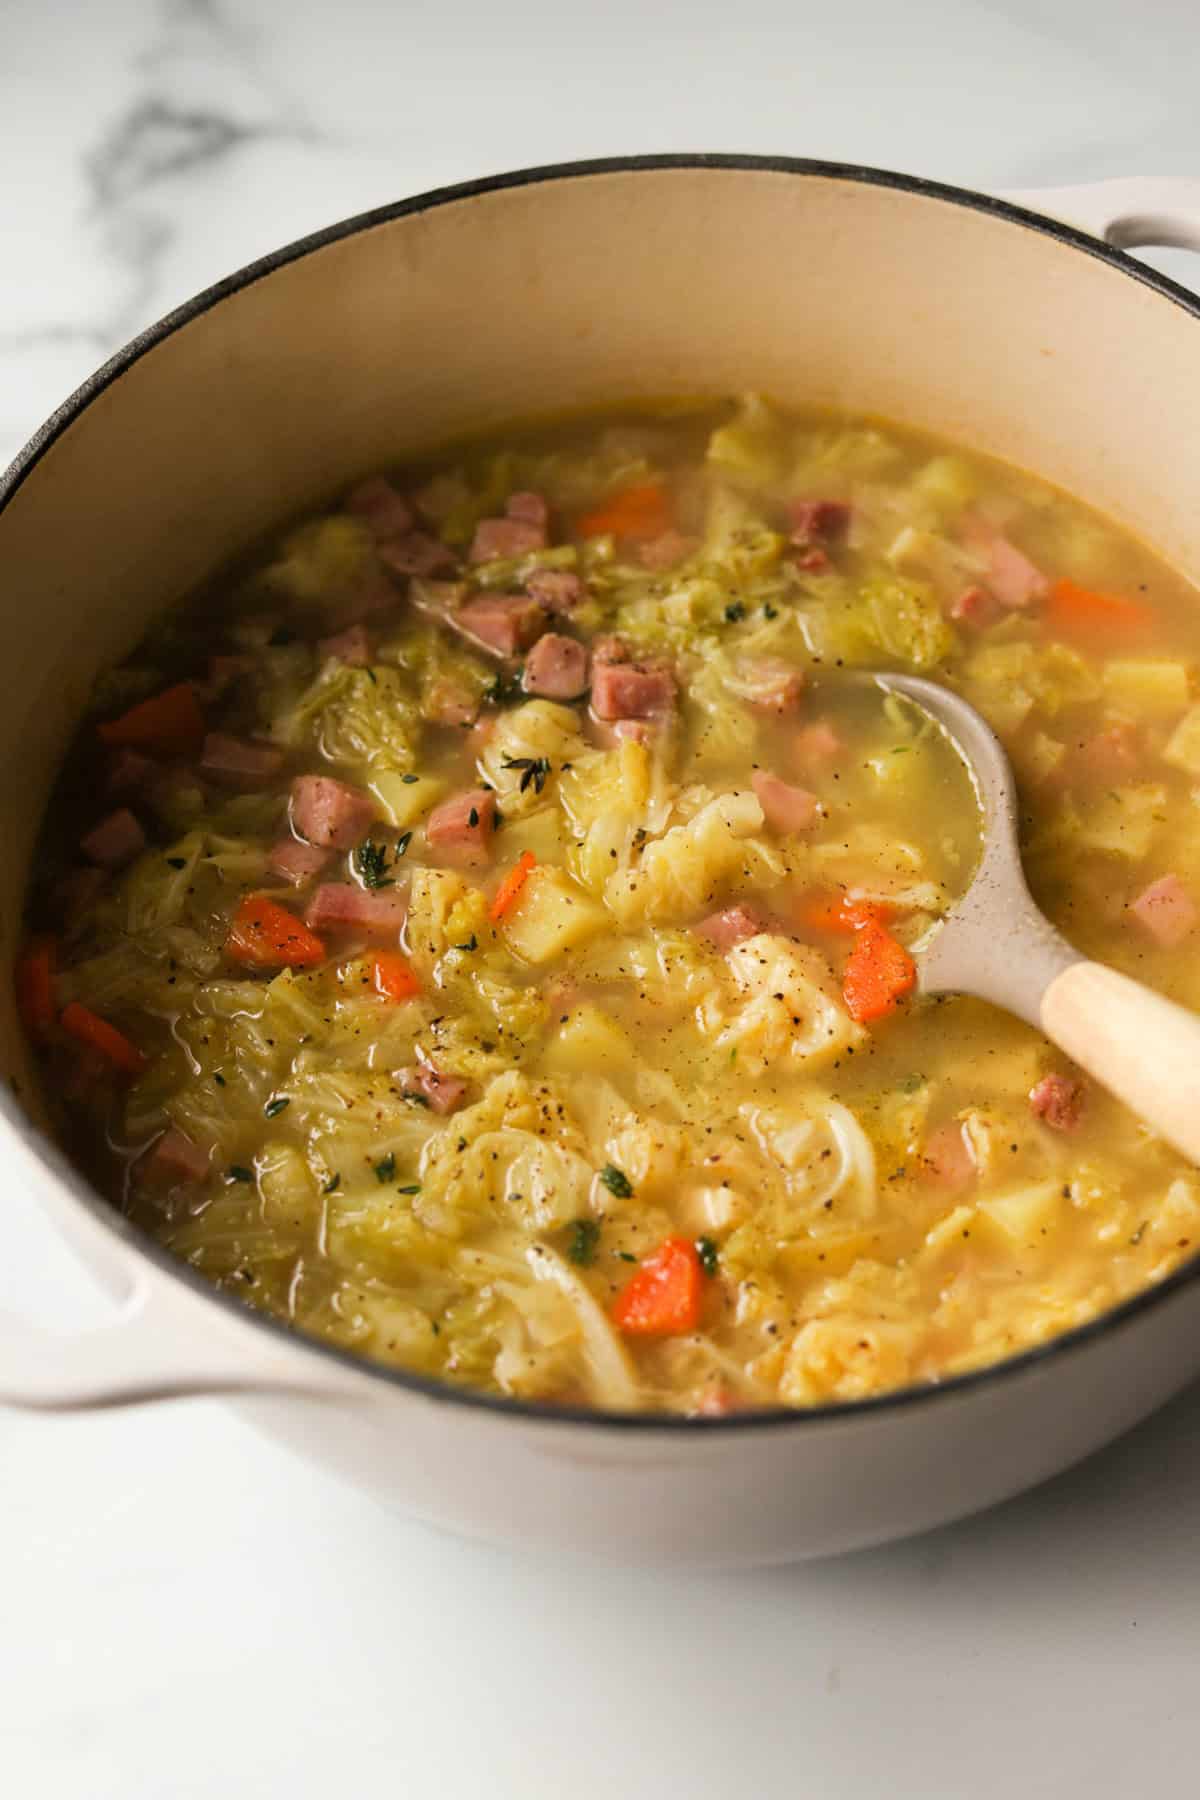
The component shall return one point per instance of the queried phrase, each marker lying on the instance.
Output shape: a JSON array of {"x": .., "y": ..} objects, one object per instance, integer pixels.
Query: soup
[{"x": 479, "y": 930}]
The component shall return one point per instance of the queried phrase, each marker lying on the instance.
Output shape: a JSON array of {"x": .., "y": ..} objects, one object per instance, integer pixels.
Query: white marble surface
[{"x": 184, "y": 1611}]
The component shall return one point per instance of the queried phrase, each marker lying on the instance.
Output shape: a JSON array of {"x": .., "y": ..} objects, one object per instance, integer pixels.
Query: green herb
[
  {"x": 503, "y": 687},
  {"x": 902, "y": 750},
  {"x": 371, "y": 677},
  {"x": 582, "y": 1237},
  {"x": 770, "y": 612},
  {"x": 417, "y": 1099},
  {"x": 386, "y": 1167},
  {"x": 332, "y": 1185},
  {"x": 735, "y": 611},
  {"x": 473, "y": 816},
  {"x": 177, "y": 862},
  {"x": 414, "y": 1187},
  {"x": 616, "y": 1181},
  {"x": 911, "y": 1083},
  {"x": 534, "y": 770},
  {"x": 409, "y": 779},
  {"x": 371, "y": 862},
  {"x": 402, "y": 843},
  {"x": 706, "y": 1250},
  {"x": 626, "y": 1256},
  {"x": 273, "y": 1108},
  {"x": 219, "y": 1079},
  {"x": 472, "y": 943},
  {"x": 239, "y": 1172}
]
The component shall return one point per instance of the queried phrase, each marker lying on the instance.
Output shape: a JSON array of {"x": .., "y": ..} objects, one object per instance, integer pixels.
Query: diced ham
[
  {"x": 377, "y": 912},
  {"x": 812, "y": 561},
  {"x": 1058, "y": 1101},
  {"x": 177, "y": 1158},
  {"x": 381, "y": 508},
  {"x": 1108, "y": 757},
  {"x": 443, "y": 1092},
  {"x": 460, "y": 829},
  {"x": 787, "y": 809},
  {"x": 769, "y": 684},
  {"x": 819, "y": 521},
  {"x": 418, "y": 553},
  {"x": 665, "y": 550},
  {"x": 947, "y": 1159},
  {"x": 504, "y": 623},
  {"x": 1012, "y": 578},
  {"x": 330, "y": 813},
  {"x": 239, "y": 762},
  {"x": 556, "y": 668},
  {"x": 732, "y": 926},
  {"x": 623, "y": 689},
  {"x": 351, "y": 646},
  {"x": 975, "y": 607},
  {"x": 450, "y": 702},
  {"x": 505, "y": 537},
  {"x": 293, "y": 861},
  {"x": 558, "y": 590},
  {"x": 818, "y": 743},
  {"x": 1166, "y": 911},
  {"x": 114, "y": 841},
  {"x": 128, "y": 771},
  {"x": 531, "y": 509}
]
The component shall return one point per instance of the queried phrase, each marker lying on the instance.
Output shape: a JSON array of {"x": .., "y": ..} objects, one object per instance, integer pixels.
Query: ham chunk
[
  {"x": 975, "y": 607},
  {"x": 1109, "y": 757},
  {"x": 351, "y": 646},
  {"x": 177, "y": 1158},
  {"x": 293, "y": 861},
  {"x": 442, "y": 1092},
  {"x": 375, "y": 912},
  {"x": 1166, "y": 911},
  {"x": 624, "y": 689},
  {"x": 329, "y": 813},
  {"x": 239, "y": 762},
  {"x": 769, "y": 684},
  {"x": 450, "y": 702},
  {"x": 506, "y": 537},
  {"x": 819, "y": 521},
  {"x": 557, "y": 590},
  {"x": 503, "y": 623},
  {"x": 787, "y": 809},
  {"x": 947, "y": 1159},
  {"x": 557, "y": 668},
  {"x": 1057, "y": 1101},
  {"x": 1012, "y": 578},
  {"x": 114, "y": 841},
  {"x": 818, "y": 744},
  {"x": 460, "y": 829},
  {"x": 375, "y": 501},
  {"x": 128, "y": 771},
  {"x": 418, "y": 553},
  {"x": 531, "y": 509},
  {"x": 733, "y": 926}
]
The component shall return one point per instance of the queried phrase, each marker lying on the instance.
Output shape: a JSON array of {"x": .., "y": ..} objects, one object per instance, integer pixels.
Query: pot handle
[
  {"x": 147, "y": 1353},
  {"x": 1133, "y": 212}
]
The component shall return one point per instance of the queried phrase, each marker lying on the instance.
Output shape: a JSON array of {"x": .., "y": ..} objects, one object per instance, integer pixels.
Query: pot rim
[{"x": 47, "y": 1151}]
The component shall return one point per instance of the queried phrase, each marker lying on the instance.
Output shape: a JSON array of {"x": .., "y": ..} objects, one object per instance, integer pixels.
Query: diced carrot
[
  {"x": 265, "y": 935},
  {"x": 97, "y": 1034},
  {"x": 840, "y": 916},
  {"x": 393, "y": 977},
  {"x": 1079, "y": 612},
  {"x": 664, "y": 1297},
  {"x": 512, "y": 884},
  {"x": 878, "y": 973},
  {"x": 35, "y": 986},
  {"x": 639, "y": 512},
  {"x": 169, "y": 723}
]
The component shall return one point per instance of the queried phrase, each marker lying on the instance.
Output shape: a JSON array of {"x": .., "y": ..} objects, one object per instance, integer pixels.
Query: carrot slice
[
  {"x": 1075, "y": 611},
  {"x": 512, "y": 884},
  {"x": 664, "y": 1297},
  {"x": 97, "y": 1034},
  {"x": 643, "y": 511},
  {"x": 840, "y": 916},
  {"x": 392, "y": 976},
  {"x": 34, "y": 979},
  {"x": 265, "y": 935},
  {"x": 878, "y": 973},
  {"x": 169, "y": 723}
]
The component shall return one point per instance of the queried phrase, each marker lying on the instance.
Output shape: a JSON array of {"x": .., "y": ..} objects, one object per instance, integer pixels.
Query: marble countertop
[{"x": 185, "y": 1610}]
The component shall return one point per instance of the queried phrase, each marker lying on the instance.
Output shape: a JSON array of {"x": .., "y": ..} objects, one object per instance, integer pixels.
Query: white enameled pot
[{"x": 558, "y": 288}]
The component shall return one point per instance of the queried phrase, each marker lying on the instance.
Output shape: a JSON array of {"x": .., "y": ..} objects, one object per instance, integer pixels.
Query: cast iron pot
[{"x": 564, "y": 287}]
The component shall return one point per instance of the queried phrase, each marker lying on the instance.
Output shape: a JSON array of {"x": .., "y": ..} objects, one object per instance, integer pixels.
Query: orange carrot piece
[
  {"x": 265, "y": 935},
  {"x": 1075, "y": 611},
  {"x": 639, "y": 512},
  {"x": 840, "y": 916},
  {"x": 512, "y": 884},
  {"x": 664, "y": 1297},
  {"x": 878, "y": 973},
  {"x": 34, "y": 978},
  {"x": 393, "y": 977},
  {"x": 97, "y": 1034},
  {"x": 169, "y": 723}
]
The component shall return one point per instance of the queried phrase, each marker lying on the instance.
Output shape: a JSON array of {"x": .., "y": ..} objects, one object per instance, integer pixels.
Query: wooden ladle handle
[{"x": 1143, "y": 1048}]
